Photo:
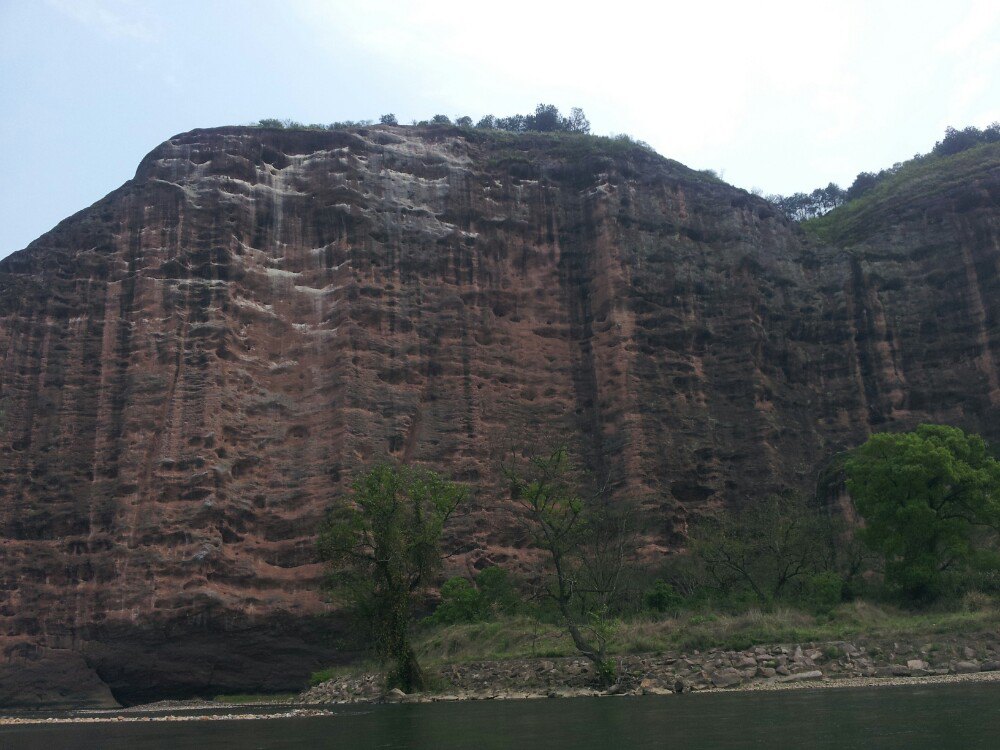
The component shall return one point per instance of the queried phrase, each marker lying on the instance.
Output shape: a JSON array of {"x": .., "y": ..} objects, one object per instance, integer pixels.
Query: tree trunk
[{"x": 408, "y": 677}]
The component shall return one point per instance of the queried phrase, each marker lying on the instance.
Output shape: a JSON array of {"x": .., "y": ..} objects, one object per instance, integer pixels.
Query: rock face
[{"x": 191, "y": 368}]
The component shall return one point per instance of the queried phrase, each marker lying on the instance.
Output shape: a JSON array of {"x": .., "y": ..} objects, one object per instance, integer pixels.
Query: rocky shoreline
[{"x": 837, "y": 664}]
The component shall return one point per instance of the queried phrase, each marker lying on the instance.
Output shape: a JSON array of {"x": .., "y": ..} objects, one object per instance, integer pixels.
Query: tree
[
  {"x": 770, "y": 549},
  {"x": 545, "y": 119},
  {"x": 514, "y": 123},
  {"x": 864, "y": 182},
  {"x": 464, "y": 121},
  {"x": 577, "y": 122},
  {"x": 440, "y": 120},
  {"x": 802, "y": 206},
  {"x": 931, "y": 504},
  {"x": 586, "y": 543},
  {"x": 389, "y": 119},
  {"x": 384, "y": 547}
]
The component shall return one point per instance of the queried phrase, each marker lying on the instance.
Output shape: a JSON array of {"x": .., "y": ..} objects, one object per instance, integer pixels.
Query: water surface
[{"x": 935, "y": 717}]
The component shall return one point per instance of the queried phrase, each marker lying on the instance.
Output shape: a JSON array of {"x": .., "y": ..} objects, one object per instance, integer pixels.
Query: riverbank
[
  {"x": 812, "y": 664},
  {"x": 934, "y": 659}
]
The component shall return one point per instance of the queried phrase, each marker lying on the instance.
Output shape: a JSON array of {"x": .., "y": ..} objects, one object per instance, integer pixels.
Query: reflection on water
[{"x": 938, "y": 717}]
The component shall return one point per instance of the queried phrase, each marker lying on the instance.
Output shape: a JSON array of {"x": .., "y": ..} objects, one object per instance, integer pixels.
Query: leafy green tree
[
  {"x": 388, "y": 119},
  {"x": 440, "y": 120},
  {"x": 931, "y": 504},
  {"x": 464, "y": 121},
  {"x": 384, "y": 549}
]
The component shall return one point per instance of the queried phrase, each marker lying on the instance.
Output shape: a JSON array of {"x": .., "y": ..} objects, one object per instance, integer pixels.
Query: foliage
[
  {"x": 801, "y": 206},
  {"x": 460, "y": 602},
  {"x": 663, "y": 598},
  {"x": 498, "y": 591},
  {"x": 586, "y": 543},
  {"x": 922, "y": 180},
  {"x": 545, "y": 119},
  {"x": 277, "y": 124},
  {"x": 821, "y": 592},
  {"x": 384, "y": 549},
  {"x": 955, "y": 141},
  {"x": 490, "y": 596},
  {"x": 763, "y": 553},
  {"x": 577, "y": 121},
  {"x": 805, "y": 206},
  {"x": 931, "y": 503}
]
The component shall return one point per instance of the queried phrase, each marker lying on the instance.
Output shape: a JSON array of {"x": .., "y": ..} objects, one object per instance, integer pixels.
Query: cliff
[{"x": 191, "y": 368}]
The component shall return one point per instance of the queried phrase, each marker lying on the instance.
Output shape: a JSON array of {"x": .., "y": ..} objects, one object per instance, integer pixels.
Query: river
[{"x": 935, "y": 717}]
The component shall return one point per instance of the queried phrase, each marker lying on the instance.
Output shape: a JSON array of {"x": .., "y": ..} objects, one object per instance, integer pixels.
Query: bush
[
  {"x": 661, "y": 597},
  {"x": 822, "y": 592},
  {"x": 461, "y": 601},
  {"x": 498, "y": 592}
]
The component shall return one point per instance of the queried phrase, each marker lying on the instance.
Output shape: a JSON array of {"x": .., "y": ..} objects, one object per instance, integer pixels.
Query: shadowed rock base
[
  {"x": 53, "y": 678},
  {"x": 129, "y": 664}
]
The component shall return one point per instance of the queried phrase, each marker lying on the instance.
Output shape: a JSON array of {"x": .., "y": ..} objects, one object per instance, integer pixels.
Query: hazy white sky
[{"x": 783, "y": 96}]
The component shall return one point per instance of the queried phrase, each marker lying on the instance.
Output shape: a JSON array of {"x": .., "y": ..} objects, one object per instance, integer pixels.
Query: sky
[{"x": 776, "y": 96}]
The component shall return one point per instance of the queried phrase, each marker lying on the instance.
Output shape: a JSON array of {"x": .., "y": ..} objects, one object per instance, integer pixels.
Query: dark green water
[{"x": 938, "y": 717}]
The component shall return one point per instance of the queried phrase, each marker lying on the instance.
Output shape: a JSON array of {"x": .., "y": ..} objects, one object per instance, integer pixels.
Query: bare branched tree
[{"x": 587, "y": 543}]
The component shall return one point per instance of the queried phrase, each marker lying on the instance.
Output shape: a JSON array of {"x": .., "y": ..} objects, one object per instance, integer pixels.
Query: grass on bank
[
  {"x": 242, "y": 699},
  {"x": 523, "y": 637}
]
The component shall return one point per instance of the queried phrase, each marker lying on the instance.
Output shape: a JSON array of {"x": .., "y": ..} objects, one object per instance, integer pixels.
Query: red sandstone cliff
[{"x": 191, "y": 368}]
